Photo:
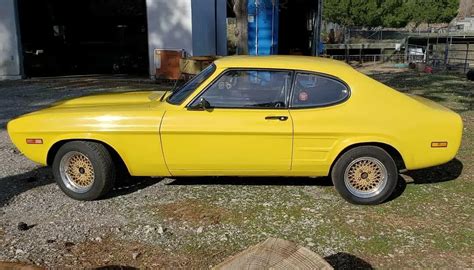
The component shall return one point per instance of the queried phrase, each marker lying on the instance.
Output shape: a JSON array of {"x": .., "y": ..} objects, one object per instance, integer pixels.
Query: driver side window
[{"x": 249, "y": 89}]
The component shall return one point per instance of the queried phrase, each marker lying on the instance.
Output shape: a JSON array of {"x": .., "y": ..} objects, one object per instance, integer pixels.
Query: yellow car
[{"x": 246, "y": 116}]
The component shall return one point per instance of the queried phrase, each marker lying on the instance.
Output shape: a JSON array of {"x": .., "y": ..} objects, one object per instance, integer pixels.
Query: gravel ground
[{"x": 198, "y": 222}]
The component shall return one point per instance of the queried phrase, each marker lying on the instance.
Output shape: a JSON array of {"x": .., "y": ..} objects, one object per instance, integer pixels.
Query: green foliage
[
  {"x": 393, "y": 13},
  {"x": 389, "y": 13}
]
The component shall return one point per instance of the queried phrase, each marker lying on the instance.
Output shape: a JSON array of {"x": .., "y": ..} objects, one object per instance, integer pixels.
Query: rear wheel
[
  {"x": 365, "y": 175},
  {"x": 84, "y": 170}
]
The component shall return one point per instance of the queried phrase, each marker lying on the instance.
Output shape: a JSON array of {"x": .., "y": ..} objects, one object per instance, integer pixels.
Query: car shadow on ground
[
  {"x": 442, "y": 173},
  {"x": 128, "y": 185},
  {"x": 12, "y": 186}
]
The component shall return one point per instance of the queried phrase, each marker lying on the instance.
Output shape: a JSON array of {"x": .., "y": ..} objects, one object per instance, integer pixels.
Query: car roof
[{"x": 308, "y": 63}]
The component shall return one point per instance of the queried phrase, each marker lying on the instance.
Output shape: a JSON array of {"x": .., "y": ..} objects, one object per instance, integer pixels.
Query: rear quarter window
[{"x": 312, "y": 90}]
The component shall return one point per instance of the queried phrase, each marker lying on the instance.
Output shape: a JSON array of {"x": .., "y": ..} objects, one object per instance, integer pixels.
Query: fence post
[
  {"x": 465, "y": 60},
  {"x": 406, "y": 49},
  {"x": 427, "y": 51},
  {"x": 446, "y": 51}
]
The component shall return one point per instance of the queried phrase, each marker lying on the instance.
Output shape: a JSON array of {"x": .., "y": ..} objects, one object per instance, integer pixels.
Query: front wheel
[
  {"x": 84, "y": 170},
  {"x": 365, "y": 175}
]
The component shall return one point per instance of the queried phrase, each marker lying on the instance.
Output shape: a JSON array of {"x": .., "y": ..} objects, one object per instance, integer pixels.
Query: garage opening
[
  {"x": 297, "y": 26},
  {"x": 78, "y": 37}
]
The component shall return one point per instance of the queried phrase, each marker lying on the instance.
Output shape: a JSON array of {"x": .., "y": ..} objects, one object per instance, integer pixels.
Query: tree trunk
[
  {"x": 277, "y": 254},
  {"x": 466, "y": 8},
  {"x": 241, "y": 14}
]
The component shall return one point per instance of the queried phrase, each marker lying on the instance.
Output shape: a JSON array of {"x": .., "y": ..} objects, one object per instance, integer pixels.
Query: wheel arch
[
  {"x": 53, "y": 150},
  {"x": 391, "y": 150}
]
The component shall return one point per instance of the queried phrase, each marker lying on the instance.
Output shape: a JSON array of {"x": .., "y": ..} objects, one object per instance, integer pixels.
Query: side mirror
[{"x": 203, "y": 105}]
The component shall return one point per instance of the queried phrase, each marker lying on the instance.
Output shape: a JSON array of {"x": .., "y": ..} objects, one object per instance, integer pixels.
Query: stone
[
  {"x": 136, "y": 255},
  {"x": 23, "y": 226}
]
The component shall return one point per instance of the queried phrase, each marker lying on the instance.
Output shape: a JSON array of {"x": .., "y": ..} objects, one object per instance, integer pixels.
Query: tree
[
  {"x": 241, "y": 15},
  {"x": 466, "y": 8},
  {"x": 390, "y": 13},
  {"x": 393, "y": 13},
  {"x": 423, "y": 11},
  {"x": 352, "y": 12},
  {"x": 448, "y": 10},
  {"x": 365, "y": 12},
  {"x": 338, "y": 11}
]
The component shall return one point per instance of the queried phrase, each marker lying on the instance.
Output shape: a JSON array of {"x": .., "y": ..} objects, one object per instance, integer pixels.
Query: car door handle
[{"x": 280, "y": 117}]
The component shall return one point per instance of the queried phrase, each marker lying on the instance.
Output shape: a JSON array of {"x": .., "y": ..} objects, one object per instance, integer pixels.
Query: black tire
[
  {"x": 371, "y": 155},
  {"x": 102, "y": 167}
]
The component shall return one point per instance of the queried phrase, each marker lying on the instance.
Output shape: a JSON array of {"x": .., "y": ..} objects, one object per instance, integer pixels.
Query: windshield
[{"x": 178, "y": 96}]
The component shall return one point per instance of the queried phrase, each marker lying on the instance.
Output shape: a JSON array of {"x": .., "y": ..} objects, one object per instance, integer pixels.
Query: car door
[
  {"x": 319, "y": 116},
  {"x": 245, "y": 129}
]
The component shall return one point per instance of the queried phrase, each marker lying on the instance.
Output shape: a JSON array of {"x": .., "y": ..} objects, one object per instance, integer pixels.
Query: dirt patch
[
  {"x": 193, "y": 211},
  {"x": 118, "y": 254}
]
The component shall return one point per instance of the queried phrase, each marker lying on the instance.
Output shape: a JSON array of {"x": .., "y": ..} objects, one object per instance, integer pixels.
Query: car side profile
[{"x": 246, "y": 116}]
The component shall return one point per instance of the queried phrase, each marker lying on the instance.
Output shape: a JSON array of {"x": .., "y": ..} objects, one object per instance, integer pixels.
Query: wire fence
[
  {"x": 461, "y": 58},
  {"x": 441, "y": 47},
  {"x": 450, "y": 56},
  {"x": 456, "y": 57},
  {"x": 370, "y": 58}
]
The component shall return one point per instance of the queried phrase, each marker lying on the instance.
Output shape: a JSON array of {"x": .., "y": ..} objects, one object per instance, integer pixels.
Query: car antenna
[{"x": 174, "y": 87}]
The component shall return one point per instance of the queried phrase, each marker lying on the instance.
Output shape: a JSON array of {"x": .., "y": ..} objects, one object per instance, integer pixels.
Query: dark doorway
[
  {"x": 297, "y": 26},
  {"x": 83, "y": 37}
]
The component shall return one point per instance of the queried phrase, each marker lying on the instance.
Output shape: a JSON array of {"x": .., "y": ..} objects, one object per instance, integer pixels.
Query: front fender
[{"x": 141, "y": 153}]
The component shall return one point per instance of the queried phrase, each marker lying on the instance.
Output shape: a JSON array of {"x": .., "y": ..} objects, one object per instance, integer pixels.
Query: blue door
[{"x": 263, "y": 27}]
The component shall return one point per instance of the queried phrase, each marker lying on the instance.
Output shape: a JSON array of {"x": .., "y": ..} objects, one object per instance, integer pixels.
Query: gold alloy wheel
[
  {"x": 77, "y": 172},
  {"x": 365, "y": 177}
]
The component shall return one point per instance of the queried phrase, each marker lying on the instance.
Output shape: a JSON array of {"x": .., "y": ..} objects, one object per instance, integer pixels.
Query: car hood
[
  {"x": 119, "y": 112},
  {"x": 128, "y": 98}
]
